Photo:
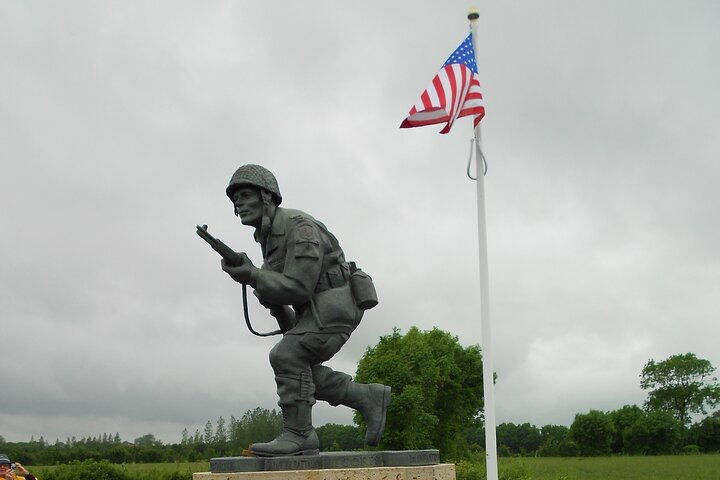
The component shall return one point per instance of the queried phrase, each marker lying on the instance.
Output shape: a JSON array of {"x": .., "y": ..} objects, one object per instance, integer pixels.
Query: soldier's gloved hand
[
  {"x": 243, "y": 273},
  {"x": 265, "y": 304}
]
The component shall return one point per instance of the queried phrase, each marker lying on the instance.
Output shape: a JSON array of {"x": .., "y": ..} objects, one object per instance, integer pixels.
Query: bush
[
  {"x": 87, "y": 470},
  {"x": 691, "y": 450},
  {"x": 466, "y": 470}
]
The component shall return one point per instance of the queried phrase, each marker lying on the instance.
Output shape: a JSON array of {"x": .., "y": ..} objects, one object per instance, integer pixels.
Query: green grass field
[{"x": 677, "y": 467}]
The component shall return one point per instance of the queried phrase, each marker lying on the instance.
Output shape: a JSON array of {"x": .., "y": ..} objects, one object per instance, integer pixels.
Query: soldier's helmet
[{"x": 254, "y": 176}]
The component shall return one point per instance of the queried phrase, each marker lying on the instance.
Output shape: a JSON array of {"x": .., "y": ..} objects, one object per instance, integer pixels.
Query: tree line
[
  {"x": 629, "y": 430},
  {"x": 223, "y": 438},
  {"x": 679, "y": 388},
  {"x": 437, "y": 401},
  {"x": 219, "y": 440}
]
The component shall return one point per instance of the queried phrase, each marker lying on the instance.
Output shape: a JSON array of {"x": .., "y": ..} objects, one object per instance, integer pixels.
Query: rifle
[
  {"x": 230, "y": 256},
  {"x": 234, "y": 260}
]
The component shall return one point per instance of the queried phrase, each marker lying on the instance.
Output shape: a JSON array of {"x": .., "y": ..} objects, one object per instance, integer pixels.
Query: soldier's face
[{"x": 249, "y": 205}]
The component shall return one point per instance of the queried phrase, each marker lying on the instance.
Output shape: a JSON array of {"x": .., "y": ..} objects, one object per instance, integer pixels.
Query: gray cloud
[{"x": 120, "y": 126}]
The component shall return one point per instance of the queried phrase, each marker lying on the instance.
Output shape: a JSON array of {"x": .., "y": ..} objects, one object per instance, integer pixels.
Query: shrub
[
  {"x": 87, "y": 470},
  {"x": 691, "y": 450},
  {"x": 467, "y": 470}
]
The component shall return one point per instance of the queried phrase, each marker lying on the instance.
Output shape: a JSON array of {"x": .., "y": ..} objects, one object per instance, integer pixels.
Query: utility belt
[{"x": 361, "y": 284}]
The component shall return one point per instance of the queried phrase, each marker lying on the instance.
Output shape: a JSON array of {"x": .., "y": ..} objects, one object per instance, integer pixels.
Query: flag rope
[{"x": 482, "y": 156}]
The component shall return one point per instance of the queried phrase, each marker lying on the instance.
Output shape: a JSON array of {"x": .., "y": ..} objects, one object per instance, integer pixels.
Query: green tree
[
  {"x": 520, "y": 439},
  {"x": 436, "y": 385},
  {"x": 258, "y": 425},
  {"x": 554, "y": 441},
  {"x": 681, "y": 385},
  {"x": 208, "y": 433},
  {"x": 592, "y": 432},
  {"x": 120, "y": 454},
  {"x": 706, "y": 434},
  {"x": 621, "y": 420},
  {"x": 653, "y": 433},
  {"x": 221, "y": 435},
  {"x": 475, "y": 434},
  {"x": 334, "y": 437},
  {"x": 147, "y": 440}
]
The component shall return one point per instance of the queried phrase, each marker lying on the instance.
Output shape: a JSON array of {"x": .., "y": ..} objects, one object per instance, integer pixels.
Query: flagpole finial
[{"x": 473, "y": 14}]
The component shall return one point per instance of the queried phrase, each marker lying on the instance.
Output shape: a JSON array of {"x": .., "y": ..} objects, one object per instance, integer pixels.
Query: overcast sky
[{"x": 122, "y": 122}]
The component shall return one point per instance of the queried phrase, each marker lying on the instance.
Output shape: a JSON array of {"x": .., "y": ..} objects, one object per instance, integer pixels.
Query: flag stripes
[{"x": 453, "y": 93}]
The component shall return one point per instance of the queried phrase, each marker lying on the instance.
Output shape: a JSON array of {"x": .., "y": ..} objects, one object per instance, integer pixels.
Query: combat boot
[
  {"x": 371, "y": 401},
  {"x": 298, "y": 436}
]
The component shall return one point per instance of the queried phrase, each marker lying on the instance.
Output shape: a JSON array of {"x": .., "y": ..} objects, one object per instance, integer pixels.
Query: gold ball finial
[{"x": 473, "y": 14}]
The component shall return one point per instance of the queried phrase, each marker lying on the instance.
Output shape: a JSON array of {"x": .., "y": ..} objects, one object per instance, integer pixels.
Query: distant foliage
[
  {"x": 656, "y": 433},
  {"x": 622, "y": 420},
  {"x": 556, "y": 442},
  {"x": 258, "y": 425},
  {"x": 592, "y": 432},
  {"x": 706, "y": 434},
  {"x": 521, "y": 439},
  {"x": 340, "y": 438}
]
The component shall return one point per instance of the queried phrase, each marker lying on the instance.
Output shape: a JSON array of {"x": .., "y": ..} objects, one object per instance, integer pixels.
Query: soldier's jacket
[{"x": 305, "y": 267}]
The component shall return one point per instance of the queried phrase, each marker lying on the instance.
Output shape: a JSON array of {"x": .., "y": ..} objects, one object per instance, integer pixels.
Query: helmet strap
[{"x": 268, "y": 213}]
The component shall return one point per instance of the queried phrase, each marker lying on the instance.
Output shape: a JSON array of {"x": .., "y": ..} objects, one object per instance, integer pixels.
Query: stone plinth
[
  {"x": 384, "y": 465},
  {"x": 326, "y": 460},
  {"x": 444, "y": 471}
]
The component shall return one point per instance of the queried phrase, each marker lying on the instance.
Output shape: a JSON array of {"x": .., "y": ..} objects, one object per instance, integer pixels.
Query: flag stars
[{"x": 464, "y": 54}]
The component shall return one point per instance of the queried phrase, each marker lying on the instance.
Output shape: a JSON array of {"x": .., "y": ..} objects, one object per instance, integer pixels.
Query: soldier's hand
[
  {"x": 265, "y": 304},
  {"x": 243, "y": 273}
]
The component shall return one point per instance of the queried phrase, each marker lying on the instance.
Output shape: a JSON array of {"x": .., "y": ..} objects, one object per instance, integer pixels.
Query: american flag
[{"x": 453, "y": 93}]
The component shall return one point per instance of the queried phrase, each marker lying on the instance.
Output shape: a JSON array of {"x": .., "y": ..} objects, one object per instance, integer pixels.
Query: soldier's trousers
[{"x": 299, "y": 373}]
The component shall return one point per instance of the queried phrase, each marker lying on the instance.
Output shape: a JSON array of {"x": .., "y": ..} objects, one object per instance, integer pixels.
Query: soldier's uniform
[
  {"x": 302, "y": 257},
  {"x": 304, "y": 266}
]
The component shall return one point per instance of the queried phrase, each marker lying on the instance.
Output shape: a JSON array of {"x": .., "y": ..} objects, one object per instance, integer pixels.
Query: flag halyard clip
[{"x": 479, "y": 155}]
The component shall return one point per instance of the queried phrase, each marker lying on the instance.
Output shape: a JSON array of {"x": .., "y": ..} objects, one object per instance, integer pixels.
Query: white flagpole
[{"x": 487, "y": 353}]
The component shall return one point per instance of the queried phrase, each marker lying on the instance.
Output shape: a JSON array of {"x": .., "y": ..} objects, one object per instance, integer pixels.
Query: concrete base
[
  {"x": 326, "y": 460},
  {"x": 443, "y": 471}
]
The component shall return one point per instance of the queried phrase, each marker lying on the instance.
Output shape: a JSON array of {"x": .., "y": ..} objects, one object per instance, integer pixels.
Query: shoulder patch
[{"x": 305, "y": 232}]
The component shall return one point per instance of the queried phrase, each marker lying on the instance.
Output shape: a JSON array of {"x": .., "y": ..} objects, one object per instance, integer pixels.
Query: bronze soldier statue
[{"x": 305, "y": 281}]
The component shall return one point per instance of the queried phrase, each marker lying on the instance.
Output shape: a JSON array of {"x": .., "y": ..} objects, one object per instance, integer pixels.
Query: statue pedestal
[
  {"x": 443, "y": 471},
  {"x": 396, "y": 465}
]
